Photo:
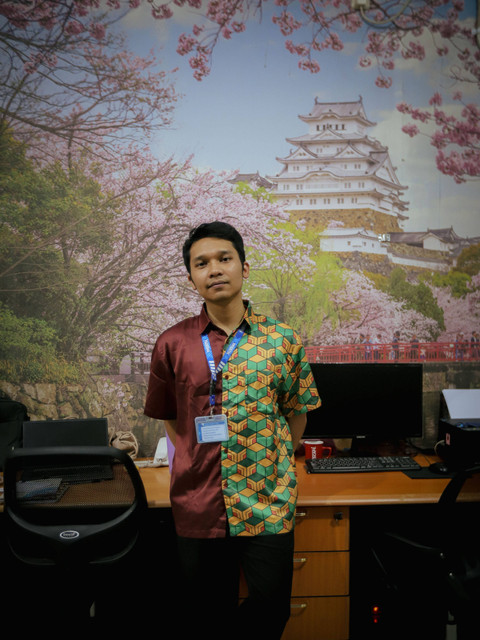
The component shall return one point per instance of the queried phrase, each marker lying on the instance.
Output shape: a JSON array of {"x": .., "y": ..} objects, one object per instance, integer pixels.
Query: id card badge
[{"x": 211, "y": 428}]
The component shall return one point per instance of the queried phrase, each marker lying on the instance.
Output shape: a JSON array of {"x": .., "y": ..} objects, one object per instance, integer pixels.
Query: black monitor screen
[{"x": 381, "y": 401}]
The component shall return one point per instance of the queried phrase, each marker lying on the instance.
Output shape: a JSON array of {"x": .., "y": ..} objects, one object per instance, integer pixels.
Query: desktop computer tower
[{"x": 380, "y": 608}]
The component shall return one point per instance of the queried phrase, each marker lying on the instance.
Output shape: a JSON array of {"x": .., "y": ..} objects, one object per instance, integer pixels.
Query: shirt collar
[{"x": 204, "y": 320}]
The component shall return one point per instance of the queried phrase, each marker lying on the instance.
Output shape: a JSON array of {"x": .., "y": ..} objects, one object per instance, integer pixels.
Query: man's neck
[{"x": 226, "y": 317}]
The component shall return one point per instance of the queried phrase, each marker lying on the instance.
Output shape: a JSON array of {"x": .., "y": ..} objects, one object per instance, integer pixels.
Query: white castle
[
  {"x": 341, "y": 180},
  {"x": 337, "y": 166}
]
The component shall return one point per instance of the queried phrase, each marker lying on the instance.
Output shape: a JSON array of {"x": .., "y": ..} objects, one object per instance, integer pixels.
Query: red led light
[{"x": 375, "y": 614}]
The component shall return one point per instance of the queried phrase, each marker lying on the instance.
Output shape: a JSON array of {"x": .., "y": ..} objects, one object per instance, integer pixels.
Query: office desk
[
  {"x": 334, "y": 517},
  {"x": 340, "y": 489},
  {"x": 334, "y": 513}
]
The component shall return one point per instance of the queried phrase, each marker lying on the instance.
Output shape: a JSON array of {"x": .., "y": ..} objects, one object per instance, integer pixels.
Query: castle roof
[
  {"x": 252, "y": 178},
  {"x": 339, "y": 109},
  {"x": 417, "y": 237}
]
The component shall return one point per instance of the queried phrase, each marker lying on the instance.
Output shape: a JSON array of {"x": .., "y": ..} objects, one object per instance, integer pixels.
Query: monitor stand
[{"x": 375, "y": 447}]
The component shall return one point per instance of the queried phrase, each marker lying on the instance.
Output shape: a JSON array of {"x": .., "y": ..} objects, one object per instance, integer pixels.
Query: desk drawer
[
  {"x": 318, "y": 619},
  {"x": 316, "y": 574},
  {"x": 322, "y": 528},
  {"x": 320, "y": 574}
]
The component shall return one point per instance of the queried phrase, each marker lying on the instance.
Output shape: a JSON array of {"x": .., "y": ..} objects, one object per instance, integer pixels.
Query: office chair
[
  {"x": 69, "y": 512},
  {"x": 432, "y": 574}
]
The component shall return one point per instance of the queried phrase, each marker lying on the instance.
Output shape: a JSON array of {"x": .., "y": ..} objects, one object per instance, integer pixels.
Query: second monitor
[{"x": 379, "y": 401}]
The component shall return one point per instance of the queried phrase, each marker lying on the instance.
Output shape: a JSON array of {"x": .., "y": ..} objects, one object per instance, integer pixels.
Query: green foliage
[
  {"x": 25, "y": 338},
  {"x": 469, "y": 260},
  {"x": 53, "y": 371},
  {"x": 298, "y": 289},
  {"x": 54, "y": 222},
  {"x": 258, "y": 193},
  {"x": 380, "y": 281},
  {"x": 28, "y": 351},
  {"x": 418, "y": 297},
  {"x": 457, "y": 282}
]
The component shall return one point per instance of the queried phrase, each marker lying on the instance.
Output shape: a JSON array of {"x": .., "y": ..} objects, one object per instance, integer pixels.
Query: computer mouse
[{"x": 439, "y": 468}]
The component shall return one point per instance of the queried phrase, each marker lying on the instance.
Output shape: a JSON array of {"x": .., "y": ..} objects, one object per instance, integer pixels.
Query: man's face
[{"x": 216, "y": 270}]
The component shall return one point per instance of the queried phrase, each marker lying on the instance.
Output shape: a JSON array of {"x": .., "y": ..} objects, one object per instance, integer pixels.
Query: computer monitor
[{"x": 375, "y": 401}]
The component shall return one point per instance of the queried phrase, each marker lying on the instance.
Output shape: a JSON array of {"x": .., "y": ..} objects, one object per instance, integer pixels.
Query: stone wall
[
  {"x": 113, "y": 397},
  {"x": 364, "y": 218}
]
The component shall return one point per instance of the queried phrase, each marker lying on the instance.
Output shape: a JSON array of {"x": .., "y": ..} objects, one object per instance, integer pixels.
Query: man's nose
[{"x": 215, "y": 268}]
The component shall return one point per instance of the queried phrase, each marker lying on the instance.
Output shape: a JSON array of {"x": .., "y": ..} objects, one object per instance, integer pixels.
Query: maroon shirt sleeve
[{"x": 161, "y": 402}]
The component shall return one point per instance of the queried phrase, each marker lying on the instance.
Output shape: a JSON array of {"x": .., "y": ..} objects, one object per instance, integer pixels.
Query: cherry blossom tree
[
  {"x": 67, "y": 75},
  {"x": 392, "y": 31},
  {"x": 362, "y": 308},
  {"x": 97, "y": 222},
  {"x": 98, "y": 250},
  {"x": 461, "y": 314}
]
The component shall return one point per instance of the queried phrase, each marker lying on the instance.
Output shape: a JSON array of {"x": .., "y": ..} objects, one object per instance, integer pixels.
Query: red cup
[{"x": 316, "y": 449}]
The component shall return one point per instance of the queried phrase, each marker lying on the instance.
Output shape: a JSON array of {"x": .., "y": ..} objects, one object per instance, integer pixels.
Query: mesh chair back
[{"x": 71, "y": 505}]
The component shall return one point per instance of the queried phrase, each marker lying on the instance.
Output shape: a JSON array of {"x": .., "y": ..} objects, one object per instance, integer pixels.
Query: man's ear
[
  {"x": 246, "y": 269},
  {"x": 191, "y": 282}
]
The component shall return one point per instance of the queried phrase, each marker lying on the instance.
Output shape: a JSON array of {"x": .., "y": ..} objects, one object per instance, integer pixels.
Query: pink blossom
[
  {"x": 435, "y": 99},
  {"x": 162, "y": 12},
  {"x": 438, "y": 140},
  {"x": 376, "y": 45},
  {"x": 74, "y": 27},
  {"x": 185, "y": 44},
  {"x": 410, "y": 129},
  {"x": 365, "y": 61},
  {"x": 309, "y": 65},
  {"x": 383, "y": 82},
  {"x": 97, "y": 30},
  {"x": 238, "y": 27},
  {"x": 287, "y": 23},
  {"x": 419, "y": 114},
  {"x": 403, "y": 107},
  {"x": 414, "y": 50}
]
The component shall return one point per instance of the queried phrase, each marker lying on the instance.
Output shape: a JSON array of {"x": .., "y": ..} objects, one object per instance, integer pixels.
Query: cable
[{"x": 383, "y": 23}]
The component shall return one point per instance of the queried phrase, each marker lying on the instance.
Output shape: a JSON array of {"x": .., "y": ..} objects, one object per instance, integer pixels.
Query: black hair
[{"x": 216, "y": 229}]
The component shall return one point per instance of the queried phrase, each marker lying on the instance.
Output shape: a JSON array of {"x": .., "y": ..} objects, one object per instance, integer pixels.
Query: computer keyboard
[
  {"x": 361, "y": 464},
  {"x": 72, "y": 475}
]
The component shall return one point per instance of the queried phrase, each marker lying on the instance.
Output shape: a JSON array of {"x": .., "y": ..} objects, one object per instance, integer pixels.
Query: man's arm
[
  {"x": 297, "y": 424},
  {"x": 171, "y": 428}
]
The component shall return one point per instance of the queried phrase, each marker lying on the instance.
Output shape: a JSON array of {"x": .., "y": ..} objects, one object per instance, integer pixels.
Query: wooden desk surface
[
  {"x": 338, "y": 489},
  {"x": 156, "y": 481}
]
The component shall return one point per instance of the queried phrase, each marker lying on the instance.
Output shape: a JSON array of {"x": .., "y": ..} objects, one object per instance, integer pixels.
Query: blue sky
[{"x": 239, "y": 116}]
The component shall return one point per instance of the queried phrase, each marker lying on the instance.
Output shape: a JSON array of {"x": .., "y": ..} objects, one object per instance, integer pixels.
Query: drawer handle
[
  {"x": 300, "y": 514},
  {"x": 304, "y": 605},
  {"x": 302, "y": 560}
]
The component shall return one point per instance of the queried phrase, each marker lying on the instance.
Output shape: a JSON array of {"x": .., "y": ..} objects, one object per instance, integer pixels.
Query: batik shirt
[{"x": 248, "y": 482}]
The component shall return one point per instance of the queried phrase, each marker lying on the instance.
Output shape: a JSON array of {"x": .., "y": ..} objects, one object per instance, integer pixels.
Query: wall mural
[{"x": 341, "y": 138}]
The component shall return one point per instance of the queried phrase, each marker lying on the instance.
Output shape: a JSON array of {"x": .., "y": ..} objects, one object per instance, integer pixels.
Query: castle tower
[{"x": 337, "y": 172}]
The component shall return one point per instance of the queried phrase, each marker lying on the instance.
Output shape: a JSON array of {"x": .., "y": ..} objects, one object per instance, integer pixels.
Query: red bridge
[{"x": 399, "y": 351}]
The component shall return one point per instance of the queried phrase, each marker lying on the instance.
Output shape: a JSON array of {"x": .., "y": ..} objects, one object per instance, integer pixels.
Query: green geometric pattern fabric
[{"x": 267, "y": 379}]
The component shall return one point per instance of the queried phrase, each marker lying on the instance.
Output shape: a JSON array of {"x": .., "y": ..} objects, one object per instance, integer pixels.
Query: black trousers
[{"x": 209, "y": 591}]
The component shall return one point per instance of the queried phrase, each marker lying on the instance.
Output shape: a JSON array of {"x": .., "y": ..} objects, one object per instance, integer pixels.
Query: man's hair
[{"x": 216, "y": 229}]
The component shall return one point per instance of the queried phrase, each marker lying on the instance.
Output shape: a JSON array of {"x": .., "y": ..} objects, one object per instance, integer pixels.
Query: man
[{"x": 233, "y": 388}]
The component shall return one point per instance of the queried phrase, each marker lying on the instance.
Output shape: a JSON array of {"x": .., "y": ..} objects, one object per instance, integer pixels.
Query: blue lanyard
[{"x": 225, "y": 358}]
